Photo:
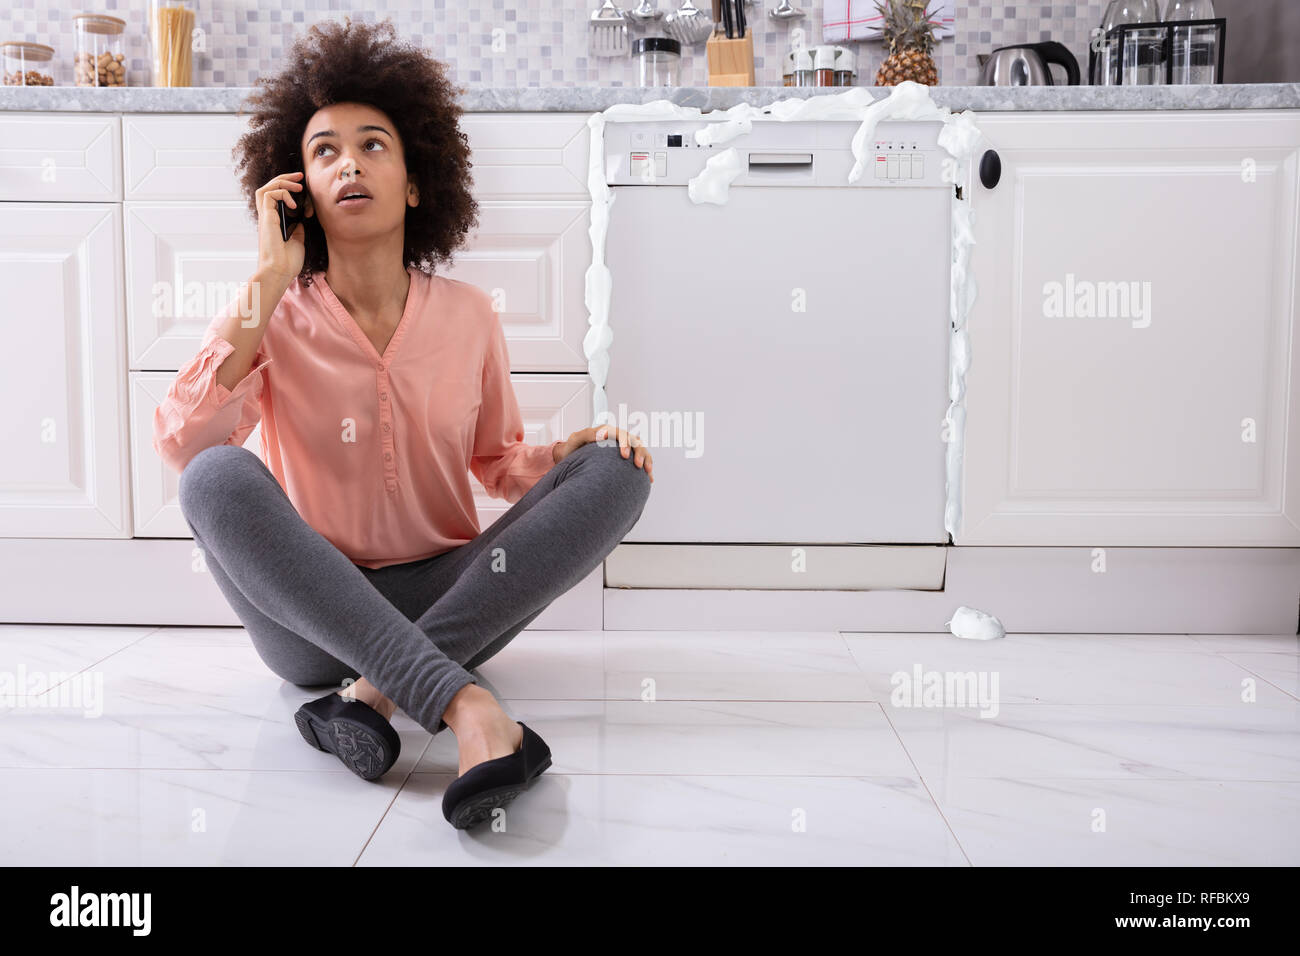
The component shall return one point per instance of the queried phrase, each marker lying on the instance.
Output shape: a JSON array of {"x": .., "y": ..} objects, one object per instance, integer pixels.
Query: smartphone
[{"x": 290, "y": 217}]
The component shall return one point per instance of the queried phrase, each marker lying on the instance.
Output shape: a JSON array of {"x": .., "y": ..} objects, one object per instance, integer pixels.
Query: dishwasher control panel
[{"x": 899, "y": 154}]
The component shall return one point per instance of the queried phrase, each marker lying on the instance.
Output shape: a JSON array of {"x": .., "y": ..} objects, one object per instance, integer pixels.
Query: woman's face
[{"x": 353, "y": 150}]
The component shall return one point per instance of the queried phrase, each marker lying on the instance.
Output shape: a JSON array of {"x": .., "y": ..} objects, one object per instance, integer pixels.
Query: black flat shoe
[
  {"x": 471, "y": 798},
  {"x": 353, "y": 731}
]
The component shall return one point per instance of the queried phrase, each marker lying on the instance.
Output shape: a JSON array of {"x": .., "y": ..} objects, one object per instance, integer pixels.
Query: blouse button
[
  {"x": 385, "y": 426},
  {"x": 384, "y": 396}
]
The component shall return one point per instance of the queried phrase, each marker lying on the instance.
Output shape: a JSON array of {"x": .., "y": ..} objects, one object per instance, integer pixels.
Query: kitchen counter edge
[{"x": 593, "y": 99}]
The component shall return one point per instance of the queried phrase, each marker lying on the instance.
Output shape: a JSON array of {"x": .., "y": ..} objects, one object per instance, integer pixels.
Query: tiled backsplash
[{"x": 540, "y": 43}]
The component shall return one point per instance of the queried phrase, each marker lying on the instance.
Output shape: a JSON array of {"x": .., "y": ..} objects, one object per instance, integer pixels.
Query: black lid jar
[{"x": 659, "y": 60}]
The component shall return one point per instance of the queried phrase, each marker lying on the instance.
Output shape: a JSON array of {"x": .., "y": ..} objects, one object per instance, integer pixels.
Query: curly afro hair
[{"x": 365, "y": 63}]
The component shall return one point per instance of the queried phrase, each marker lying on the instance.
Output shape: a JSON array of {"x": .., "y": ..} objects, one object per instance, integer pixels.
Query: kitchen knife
[
  {"x": 726, "y": 17},
  {"x": 740, "y": 18}
]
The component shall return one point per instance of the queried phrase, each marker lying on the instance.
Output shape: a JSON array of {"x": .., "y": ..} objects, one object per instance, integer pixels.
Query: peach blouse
[{"x": 373, "y": 451}]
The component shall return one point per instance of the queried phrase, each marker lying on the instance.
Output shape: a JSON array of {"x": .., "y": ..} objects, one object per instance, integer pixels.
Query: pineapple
[{"x": 909, "y": 38}]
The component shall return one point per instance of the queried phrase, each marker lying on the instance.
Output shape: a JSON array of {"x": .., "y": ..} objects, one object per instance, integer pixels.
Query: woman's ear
[
  {"x": 412, "y": 193},
  {"x": 308, "y": 210}
]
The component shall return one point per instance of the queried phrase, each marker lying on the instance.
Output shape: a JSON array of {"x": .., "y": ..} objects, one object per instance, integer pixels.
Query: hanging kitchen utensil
[
  {"x": 688, "y": 24},
  {"x": 607, "y": 35},
  {"x": 645, "y": 10}
]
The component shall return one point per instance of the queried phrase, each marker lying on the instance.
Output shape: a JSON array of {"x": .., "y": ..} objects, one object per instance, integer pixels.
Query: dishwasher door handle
[{"x": 780, "y": 160}]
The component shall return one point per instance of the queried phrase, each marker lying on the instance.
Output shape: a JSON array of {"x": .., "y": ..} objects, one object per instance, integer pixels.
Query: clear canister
[
  {"x": 1195, "y": 54},
  {"x": 1143, "y": 57},
  {"x": 171, "y": 38},
  {"x": 100, "y": 58},
  {"x": 659, "y": 60},
  {"x": 27, "y": 64}
]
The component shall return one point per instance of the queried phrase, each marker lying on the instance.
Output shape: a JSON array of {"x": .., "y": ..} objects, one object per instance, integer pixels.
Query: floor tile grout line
[
  {"x": 397, "y": 793},
  {"x": 910, "y": 759},
  {"x": 1127, "y": 779},
  {"x": 94, "y": 663},
  {"x": 919, "y": 776},
  {"x": 1261, "y": 677}
]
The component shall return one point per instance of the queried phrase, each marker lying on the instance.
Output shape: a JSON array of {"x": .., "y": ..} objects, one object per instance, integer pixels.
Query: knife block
[{"x": 731, "y": 62}]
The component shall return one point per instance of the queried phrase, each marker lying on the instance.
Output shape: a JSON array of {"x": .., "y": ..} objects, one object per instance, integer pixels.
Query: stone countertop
[{"x": 593, "y": 99}]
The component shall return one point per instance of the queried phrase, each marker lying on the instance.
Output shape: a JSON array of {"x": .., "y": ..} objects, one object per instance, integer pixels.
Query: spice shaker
[
  {"x": 27, "y": 64},
  {"x": 846, "y": 67},
  {"x": 803, "y": 67},
  {"x": 100, "y": 58},
  {"x": 787, "y": 69},
  {"x": 824, "y": 65}
]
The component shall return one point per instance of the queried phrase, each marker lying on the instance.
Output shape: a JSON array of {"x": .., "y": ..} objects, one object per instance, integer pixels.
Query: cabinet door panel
[
  {"x": 64, "y": 369},
  {"x": 184, "y": 263},
  {"x": 1132, "y": 340},
  {"x": 532, "y": 258}
]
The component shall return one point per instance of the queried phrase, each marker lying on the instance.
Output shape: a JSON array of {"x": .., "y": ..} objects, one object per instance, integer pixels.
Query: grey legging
[{"x": 412, "y": 630}]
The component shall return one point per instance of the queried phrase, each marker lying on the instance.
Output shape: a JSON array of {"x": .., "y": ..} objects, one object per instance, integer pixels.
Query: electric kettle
[{"x": 1026, "y": 64}]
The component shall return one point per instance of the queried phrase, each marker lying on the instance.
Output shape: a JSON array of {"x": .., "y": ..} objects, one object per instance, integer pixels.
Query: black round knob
[{"x": 990, "y": 169}]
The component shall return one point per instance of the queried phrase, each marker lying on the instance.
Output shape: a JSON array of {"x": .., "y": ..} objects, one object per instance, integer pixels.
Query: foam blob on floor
[{"x": 975, "y": 625}]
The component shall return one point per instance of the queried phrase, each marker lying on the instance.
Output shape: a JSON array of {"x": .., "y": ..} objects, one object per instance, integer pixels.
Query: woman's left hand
[{"x": 628, "y": 444}]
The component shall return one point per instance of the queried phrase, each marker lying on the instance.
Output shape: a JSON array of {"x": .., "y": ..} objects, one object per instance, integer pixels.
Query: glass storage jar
[
  {"x": 171, "y": 38},
  {"x": 27, "y": 64},
  {"x": 660, "y": 60},
  {"x": 100, "y": 58}
]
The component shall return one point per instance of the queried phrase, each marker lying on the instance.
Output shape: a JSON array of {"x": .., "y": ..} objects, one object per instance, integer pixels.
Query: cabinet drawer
[
  {"x": 181, "y": 157},
  {"x": 57, "y": 158},
  {"x": 528, "y": 155}
]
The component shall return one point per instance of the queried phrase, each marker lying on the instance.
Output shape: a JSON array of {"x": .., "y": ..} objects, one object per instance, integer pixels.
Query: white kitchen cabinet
[
  {"x": 182, "y": 158},
  {"x": 528, "y": 155},
  {"x": 59, "y": 158},
  {"x": 532, "y": 258},
  {"x": 1134, "y": 340},
  {"x": 184, "y": 263},
  {"x": 530, "y": 249},
  {"x": 63, "y": 386}
]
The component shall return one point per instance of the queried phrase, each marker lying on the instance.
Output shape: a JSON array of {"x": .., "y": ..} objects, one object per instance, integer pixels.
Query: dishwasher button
[
  {"x": 893, "y": 167},
  {"x": 638, "y": 164},
  {"x": 918, "y": 167},
  {"x": 881, "y": 166},
  {"x": 661, "y": 164}
]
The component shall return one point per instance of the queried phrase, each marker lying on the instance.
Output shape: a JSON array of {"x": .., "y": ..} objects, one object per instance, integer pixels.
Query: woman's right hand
[{"x": 275, "y": 257}]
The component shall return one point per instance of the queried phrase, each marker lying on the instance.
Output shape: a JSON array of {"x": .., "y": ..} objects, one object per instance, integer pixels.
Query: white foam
[
  {"x": 715, "y": 179},
  {"x": 907, "y": 101},
  {"x": 975, "y": 625}
]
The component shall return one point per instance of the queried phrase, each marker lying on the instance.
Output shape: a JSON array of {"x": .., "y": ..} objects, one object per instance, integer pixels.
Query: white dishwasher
[{"x": 787, "y": 351}]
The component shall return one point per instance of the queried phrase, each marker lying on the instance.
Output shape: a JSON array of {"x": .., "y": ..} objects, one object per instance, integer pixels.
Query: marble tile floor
[{"x": 176, "y": 746}]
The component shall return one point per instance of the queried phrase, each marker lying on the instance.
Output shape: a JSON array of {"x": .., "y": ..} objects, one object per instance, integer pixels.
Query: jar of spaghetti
[
  {"x": 27, "y": 64},
  {"x": 100, "y": 58},
  {"x": 171, "y": 38}
]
